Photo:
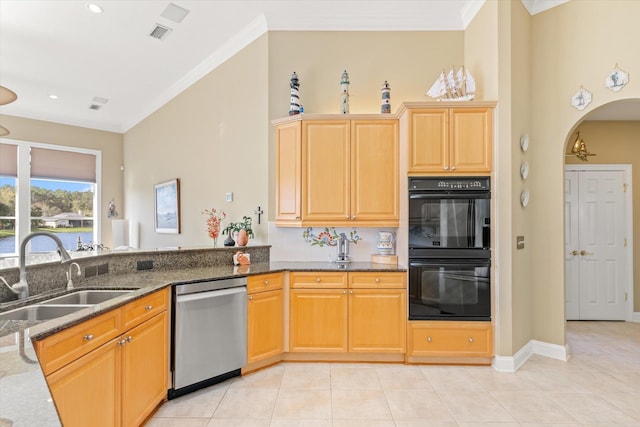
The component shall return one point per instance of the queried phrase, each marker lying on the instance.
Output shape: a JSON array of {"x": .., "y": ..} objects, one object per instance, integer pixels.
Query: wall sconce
[{"x": 579, "y": 149}]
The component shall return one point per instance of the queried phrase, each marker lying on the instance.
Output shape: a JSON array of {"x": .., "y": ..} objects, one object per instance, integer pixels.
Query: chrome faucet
[
  {"x": 22, "y": 287},
  {"x": 343, "y": 249},
  {"x": 70, "y": 275}
]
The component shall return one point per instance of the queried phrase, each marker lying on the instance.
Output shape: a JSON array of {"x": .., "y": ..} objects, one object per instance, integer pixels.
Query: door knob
[
  {"x": 583, "y": 253},
  {"x": 574, "y": 252}
]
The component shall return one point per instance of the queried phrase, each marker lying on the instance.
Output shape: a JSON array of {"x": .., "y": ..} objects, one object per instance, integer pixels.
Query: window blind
[
  {"x": 9, "y": 160},
  {"x": 65, "y": 165}
]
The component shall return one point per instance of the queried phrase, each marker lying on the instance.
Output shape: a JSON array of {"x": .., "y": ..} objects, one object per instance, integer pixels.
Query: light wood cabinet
[
  {"x": 337, "y": 172},
  {"x": 377, "y": 312},
  {"x": 265, "y": 317},
  {"x": 102, "y": 372},
  {"x": 455, "y": 140},
  {"x": 348, "y": 312},
  {"x": 450, "y": 339}
]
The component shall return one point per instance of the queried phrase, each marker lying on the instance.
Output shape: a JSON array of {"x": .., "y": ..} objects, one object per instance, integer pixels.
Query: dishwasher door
[{"x": 210, "y": 335}]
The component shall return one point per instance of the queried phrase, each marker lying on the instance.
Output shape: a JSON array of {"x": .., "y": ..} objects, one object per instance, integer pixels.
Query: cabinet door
[
  {"x": 86, "y": 391},
  {"x": 471, "y": 140},
  {"x": 288, "y": 167},
  {"x": 377, "y": 320},
  {"x": 444, "y": 338},
  {"x": 429, "y": 140},
  {"x": 374, "y": 172},
  {"x": 318, "y": 320},
  {"x": 264, "y": 325},
  {"x": 325, "y": 174},
  {"x": 144, "y": 369}
]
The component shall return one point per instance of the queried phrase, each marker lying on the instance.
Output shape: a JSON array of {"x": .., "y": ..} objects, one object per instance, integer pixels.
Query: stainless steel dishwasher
[{"x": 209, "y": 333}]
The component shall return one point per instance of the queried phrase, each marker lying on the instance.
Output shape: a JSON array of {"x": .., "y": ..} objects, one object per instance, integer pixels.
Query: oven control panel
[{"x": 449, "y": 184}]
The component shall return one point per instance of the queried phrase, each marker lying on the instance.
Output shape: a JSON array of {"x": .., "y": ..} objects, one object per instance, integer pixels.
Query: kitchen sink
[
  {"x": 86, "y": 297},
  {"x": 41, "y": 312}
]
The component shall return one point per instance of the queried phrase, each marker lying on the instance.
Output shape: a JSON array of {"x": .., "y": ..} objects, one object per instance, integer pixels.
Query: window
[{"x": 47, "y": 188}]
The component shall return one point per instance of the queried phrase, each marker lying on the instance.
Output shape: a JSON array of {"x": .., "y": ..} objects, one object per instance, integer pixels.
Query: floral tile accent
[{"x": 328, "y": 237}]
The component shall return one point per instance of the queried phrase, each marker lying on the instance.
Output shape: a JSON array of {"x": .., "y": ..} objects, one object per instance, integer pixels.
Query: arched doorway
[{"x": 612, "y": 133}]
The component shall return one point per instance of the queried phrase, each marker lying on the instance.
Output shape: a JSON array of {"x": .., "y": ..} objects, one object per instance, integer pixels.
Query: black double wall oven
[{"x": 449, "y": 248}]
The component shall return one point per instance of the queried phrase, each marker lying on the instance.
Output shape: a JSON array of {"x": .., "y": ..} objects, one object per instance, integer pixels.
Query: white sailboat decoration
[{"x": 453, "y": 86}]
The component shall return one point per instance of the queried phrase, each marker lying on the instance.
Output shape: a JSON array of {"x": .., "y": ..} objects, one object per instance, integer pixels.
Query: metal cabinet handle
[
  {"x": 353, "y": 218},
  {"x": 318, "y": 279},
  {"x": 453, "y": 168},
  {"x": 377, "y": 280},
  {"x": 87, "y": 337},
  {"x": 351, "y": 292},
  {"x": 470, "y": 339},
  {"x": 122, "y": 342},
  {"x": 148, "y": 307},
  {"x": 446, "y": 168},
  {"x": 347, "y": 217},
  {"x": 250, "y": 297},
  {"x": 574, "y": 252},
  {"x": 266, "y": 282},
  {"x": 129, "y": 338},
  {"x": 345, "y": 292},
  {"x": 429, "y": 339}
]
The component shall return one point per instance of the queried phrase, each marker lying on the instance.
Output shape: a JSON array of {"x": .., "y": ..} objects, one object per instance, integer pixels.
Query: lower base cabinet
[
  {"x": 116, "y": 383},
  {"x": 450, "y": 339}
]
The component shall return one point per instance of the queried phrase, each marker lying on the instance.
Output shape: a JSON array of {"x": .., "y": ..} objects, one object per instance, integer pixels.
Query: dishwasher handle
[{"x": 209, "y": 294}]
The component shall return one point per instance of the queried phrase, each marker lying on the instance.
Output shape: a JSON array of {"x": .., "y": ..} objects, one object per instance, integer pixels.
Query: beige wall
[
  {"x": 213, "y": 137},
  {"x": 576, "y": 43},
  {"x": 109, "y": 143},
  {"x": 619, "y": 143}
]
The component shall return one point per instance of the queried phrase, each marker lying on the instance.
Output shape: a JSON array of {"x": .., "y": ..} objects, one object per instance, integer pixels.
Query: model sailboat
[{"x": 453, "y": 86}]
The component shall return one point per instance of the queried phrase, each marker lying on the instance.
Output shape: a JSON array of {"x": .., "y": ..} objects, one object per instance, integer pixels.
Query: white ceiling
[{"x": 55, "y": 47}]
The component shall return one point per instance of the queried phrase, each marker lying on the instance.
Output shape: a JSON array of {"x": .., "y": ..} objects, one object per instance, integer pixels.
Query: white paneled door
[{"x": 595, "y": 259}]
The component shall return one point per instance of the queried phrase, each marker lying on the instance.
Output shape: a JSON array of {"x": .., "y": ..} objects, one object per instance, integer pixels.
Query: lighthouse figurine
[
  {"x": 385, "y": 106},
  {"x": 294, "y": 106},
  {"x": 344, "y": 96}
]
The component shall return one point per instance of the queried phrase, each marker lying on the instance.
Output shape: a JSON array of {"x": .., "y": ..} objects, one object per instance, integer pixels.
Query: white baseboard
[
  {"x": 515, "y": 362},
  {"x": 635, "y": 317}
]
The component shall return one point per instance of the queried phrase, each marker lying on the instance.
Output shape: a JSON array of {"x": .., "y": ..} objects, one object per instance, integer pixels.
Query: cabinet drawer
[
  {"x": 264, "y": 282},
  {"x": 464, "y": 339},
  {"x": 372, "y": 280},
  {"x": 62, "y": 348},
  {"x": 145, "y": 308},
  {"x": 318, "y": 280}
]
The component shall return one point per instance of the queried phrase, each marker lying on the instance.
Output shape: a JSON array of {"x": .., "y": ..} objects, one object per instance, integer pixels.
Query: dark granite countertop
[{"x": 23, "y": 389}]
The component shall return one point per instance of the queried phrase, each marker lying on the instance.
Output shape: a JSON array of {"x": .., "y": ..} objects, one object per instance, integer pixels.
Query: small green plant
[{"x": 245, "y": 224}]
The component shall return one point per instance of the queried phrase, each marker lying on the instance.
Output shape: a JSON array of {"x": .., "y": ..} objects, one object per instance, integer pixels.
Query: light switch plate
[
  {"x": 519, "y": 242},
  {"x": 229, "y": 197}
]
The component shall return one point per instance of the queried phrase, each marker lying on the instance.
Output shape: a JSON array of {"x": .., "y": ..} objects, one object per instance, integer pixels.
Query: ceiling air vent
[{"x": 160, "y": 32}]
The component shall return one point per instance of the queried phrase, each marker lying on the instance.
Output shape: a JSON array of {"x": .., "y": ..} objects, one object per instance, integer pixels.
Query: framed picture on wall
[{"x": 167, "y": 207}]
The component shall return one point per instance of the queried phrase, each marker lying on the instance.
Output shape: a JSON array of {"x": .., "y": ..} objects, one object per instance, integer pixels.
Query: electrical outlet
[
  {"x": 229, "y": 197},
  {"x": 145, "y": 265}
]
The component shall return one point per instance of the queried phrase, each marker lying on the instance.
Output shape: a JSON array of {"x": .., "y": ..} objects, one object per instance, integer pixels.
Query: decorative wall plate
[
  {"x": 581, "y": 99},
  {"x": 524, "y": 170},
  {"x": 616, "y": 79},
  {"x": 524, "y": 198},
  {"x": 524, "y": 142}
]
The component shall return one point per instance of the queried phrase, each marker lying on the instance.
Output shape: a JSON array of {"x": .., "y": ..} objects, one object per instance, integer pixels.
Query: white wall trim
[
  {"x": 635, "y": 317},
  {"x": 515, "y": 362}
]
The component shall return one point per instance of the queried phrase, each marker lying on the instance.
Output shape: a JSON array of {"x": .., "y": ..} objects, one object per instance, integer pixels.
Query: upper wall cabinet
[
  {"x": 450, "y": 140},
  {"x": 337, "y": 171}
]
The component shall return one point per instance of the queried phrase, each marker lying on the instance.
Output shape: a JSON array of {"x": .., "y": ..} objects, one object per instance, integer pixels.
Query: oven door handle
[
  {"x": 479, "y": 195},
  {"x": 450, "y": 263}
]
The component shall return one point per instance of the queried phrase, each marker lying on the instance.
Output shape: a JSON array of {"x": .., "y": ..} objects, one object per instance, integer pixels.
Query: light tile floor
[{"x": 598, "y": 386}]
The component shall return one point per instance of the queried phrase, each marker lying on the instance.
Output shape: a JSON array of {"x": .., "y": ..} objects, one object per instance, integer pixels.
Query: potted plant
[{"x": 243, "y": 230}]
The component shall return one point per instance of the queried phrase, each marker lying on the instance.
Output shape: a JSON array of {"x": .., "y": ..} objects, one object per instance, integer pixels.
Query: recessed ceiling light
[
  {"x": 92, "y": 7},
  {"x": 53, "y": 96}
]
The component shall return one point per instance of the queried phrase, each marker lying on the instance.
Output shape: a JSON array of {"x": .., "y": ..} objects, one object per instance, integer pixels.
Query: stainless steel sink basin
[
  {"x": 86, "y": 297},
  {"x": 40, "y": 312}
]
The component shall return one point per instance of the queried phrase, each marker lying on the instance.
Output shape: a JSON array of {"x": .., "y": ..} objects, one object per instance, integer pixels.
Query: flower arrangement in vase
[
  {"x": 214, "y": 223},
  {"x": 243, "y": 230}
]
